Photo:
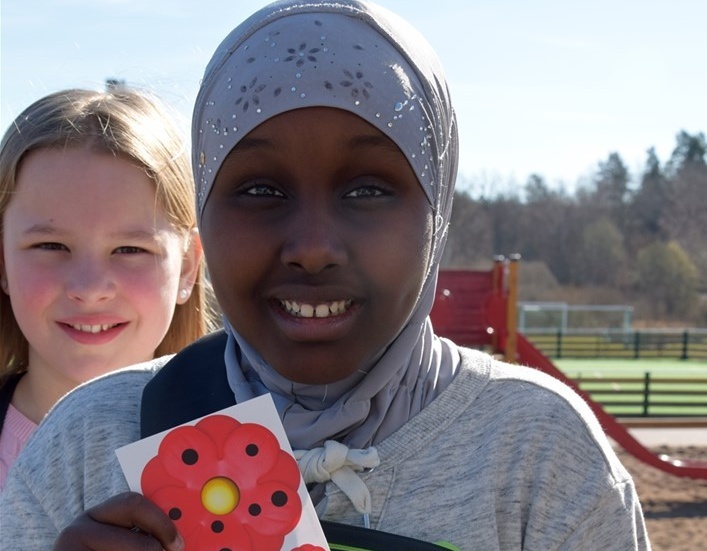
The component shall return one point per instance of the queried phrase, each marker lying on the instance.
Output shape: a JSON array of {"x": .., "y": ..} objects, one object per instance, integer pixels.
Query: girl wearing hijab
[{"x": 325, "y": 156}]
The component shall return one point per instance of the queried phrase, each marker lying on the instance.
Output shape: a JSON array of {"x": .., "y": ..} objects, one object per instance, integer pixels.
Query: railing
[
  {"x": 648, "y": 395},
  {"x": 685, "y": 344}
]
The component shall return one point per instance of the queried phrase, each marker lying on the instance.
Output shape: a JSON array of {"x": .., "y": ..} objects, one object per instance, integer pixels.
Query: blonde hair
[{"x": 125, "y": 122}]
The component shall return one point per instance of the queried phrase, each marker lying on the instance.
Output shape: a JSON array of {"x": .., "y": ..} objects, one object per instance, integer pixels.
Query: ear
[{"x": 191, "y": 262}]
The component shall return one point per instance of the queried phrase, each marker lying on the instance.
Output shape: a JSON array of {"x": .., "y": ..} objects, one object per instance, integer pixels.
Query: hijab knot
[{"x": 340, "y": 464}]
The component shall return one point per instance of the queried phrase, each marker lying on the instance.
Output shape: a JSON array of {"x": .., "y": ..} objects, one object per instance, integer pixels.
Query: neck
[{"x": 33, "y": 398}]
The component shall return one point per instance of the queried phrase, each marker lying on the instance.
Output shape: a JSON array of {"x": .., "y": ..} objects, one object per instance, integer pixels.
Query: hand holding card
[{"x": 228, "y": 481}]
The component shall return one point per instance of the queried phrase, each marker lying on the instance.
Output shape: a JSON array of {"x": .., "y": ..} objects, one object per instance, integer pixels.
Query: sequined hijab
[{"x": 361, "y": 58}]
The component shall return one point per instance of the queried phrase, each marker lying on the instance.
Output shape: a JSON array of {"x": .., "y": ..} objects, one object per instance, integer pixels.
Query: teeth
[
  {"x": 321, "y": 310},
  {"x": 93, "y": 328}
]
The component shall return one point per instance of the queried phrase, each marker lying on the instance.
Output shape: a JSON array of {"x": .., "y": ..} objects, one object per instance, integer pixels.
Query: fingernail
[{"x": 177, "y": 544}]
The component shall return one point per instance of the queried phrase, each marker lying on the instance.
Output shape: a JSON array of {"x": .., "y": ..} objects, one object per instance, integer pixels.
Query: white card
[{"x": 229, "y": 480}]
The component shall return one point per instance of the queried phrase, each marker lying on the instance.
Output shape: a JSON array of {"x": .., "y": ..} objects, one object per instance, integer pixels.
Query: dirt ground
[{"x": 675, "y": 508}]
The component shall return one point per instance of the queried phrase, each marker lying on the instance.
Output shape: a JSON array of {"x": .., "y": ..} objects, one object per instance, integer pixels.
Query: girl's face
[
  {"x": 92, "y": 266},
  {"x": 317, "y": 236}
]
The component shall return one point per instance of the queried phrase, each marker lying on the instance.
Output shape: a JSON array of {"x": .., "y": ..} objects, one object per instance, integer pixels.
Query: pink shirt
[{"x": 15, "y": 432}]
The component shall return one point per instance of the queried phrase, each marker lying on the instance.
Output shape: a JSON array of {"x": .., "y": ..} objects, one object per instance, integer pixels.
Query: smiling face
[
  {"x": 91, "y": 265},
  {"x": 317, "y": 235}
]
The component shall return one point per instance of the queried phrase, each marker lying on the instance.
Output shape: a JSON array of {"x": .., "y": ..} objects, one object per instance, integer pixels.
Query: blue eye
[
  {"x": 129, "y": 249},
  {"x": 50, "y": 247}
]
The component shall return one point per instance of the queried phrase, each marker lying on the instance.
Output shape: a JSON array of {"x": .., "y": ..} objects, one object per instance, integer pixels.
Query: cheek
[
  {"x": 32, "y": 296},
  {"x": 237, "y": 257},
  {"x": 402, "y": 262},
  {"x": 32, "y": 284},
  {"x": 234, "y": 280},
  {"x": 152, "y": 284}
]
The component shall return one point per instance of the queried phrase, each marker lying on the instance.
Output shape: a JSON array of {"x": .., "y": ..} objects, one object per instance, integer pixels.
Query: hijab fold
[{"x": 355, "y": 56}]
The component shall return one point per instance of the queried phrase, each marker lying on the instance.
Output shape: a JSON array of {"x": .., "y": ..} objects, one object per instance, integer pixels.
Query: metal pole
[{"x": 646, "y": 392}]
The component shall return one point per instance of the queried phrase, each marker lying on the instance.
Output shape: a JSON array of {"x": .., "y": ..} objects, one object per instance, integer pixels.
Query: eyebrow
[
  {"x": 375, "y": 140},
  {"x": 250, "y": 143},
  {"x": 50, "y": 231}
]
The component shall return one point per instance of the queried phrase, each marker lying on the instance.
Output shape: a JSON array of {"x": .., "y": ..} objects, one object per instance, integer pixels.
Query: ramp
[{"x": 478, "y": 309}]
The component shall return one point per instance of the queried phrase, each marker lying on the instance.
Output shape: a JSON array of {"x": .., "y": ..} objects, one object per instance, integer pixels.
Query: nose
[
  {"x": 89, "y": 280},
  {"x": 315, "y": 241}
]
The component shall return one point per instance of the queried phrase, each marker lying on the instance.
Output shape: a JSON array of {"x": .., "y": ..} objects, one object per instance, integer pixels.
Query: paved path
[{"x": 654, "y": 437}]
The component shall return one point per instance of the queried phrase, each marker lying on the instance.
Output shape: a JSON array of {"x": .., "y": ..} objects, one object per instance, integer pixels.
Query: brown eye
[
  {"x": 262, "y": 190},
  {"x": 362, "y": 192}
]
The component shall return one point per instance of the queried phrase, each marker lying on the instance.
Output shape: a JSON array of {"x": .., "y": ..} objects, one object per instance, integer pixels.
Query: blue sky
[{"x": 540, "y": 86}]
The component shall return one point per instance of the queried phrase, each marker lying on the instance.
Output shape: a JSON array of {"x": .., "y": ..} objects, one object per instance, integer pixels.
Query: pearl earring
[{"x": 184, "y": 294}]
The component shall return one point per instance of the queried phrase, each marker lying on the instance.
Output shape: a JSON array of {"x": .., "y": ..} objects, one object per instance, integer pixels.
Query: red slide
[
  {"x": 531, "y": 356},
  {"x": 473, "y": 308}
]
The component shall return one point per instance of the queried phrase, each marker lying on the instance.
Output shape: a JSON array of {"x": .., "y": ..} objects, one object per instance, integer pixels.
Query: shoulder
[
  {"x": 540, "y": 408},
  {"x": 111, "y": 392},
  {"x": 69, "y": 463},
  {"x": 521, "y": 385},
  {"x": 100, "y": 412}
]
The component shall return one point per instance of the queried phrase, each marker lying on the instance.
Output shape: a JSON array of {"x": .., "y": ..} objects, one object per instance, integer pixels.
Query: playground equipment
[{"x": 478, "y": 309}]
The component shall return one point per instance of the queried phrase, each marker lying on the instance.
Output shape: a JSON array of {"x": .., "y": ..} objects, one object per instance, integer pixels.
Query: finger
[
  {"x": 132, "y": 510},
  {"x": 124, "y": 512},
  {"x": 87, "y": 535}
]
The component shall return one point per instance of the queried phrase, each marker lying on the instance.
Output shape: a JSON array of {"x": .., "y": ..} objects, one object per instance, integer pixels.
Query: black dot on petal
[
  {"x": 279, "y": 498},
  {"x": 251, "y": 450},
  {"x": 217, "y": 526},
  {"x": 254, "y": 509},
  {"x": 225, "y": 549},
  {"x": 190, "y": 457},
  {"x": 175, "y": 513}
]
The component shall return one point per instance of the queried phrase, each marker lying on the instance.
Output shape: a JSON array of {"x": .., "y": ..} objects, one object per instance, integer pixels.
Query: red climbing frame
[{"x": 478, "y": 309}]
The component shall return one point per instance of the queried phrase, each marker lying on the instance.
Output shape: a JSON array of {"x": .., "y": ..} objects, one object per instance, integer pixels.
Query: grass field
[
  {"x": 679, "y": 399},
  {"x": 631, "y": 368}
]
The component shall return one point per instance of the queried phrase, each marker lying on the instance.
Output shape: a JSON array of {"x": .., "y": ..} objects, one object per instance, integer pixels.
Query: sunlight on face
[
  {"x": 317, "y": 264},
  {"x": 92, "y": 264}
]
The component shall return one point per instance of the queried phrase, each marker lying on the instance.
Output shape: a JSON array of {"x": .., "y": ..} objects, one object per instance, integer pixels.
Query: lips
[
  {"x": 93, "y": 333},
  {"x": 93, "y": 328},
  {"x": 315, "y": 310}
]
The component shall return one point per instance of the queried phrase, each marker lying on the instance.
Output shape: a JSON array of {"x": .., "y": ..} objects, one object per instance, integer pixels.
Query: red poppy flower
[
  {"x": 308, "y": 547},
  {"x": 227, "y": 485}
]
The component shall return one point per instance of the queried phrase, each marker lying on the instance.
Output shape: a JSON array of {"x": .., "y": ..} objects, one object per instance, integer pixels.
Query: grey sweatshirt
[{"x": 506, "y": 458}]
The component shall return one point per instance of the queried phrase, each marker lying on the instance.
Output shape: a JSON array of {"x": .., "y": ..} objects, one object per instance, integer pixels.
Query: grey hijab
[{"x": 356, "y": 56}]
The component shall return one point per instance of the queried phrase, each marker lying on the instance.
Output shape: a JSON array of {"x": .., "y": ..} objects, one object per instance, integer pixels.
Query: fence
[
  {"x": 648, "y": 395},
  {"x": 689, "y": 344}
]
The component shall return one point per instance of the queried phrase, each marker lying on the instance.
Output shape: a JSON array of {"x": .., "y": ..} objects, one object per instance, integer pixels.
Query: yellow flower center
[{"x": 220, "y": 495}]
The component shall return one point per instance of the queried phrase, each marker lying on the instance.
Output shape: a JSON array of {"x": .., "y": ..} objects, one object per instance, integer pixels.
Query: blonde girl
[{"x": 100, "y": 262}]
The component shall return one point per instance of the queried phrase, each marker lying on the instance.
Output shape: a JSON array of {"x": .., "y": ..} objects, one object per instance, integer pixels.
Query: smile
[
  {"x": 94, "y": 328},
  {"x": 319, "y": 310}
]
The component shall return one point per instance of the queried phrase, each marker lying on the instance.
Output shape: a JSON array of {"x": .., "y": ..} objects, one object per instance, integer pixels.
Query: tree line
[{"x": 616, "y": 239}]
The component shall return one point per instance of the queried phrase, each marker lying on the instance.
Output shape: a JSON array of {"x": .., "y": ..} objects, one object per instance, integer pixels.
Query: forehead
[
  {"x": 304, "y": 60},
  {"x": 337, "y": 139},
  {"x": 75, "y": 184}
]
